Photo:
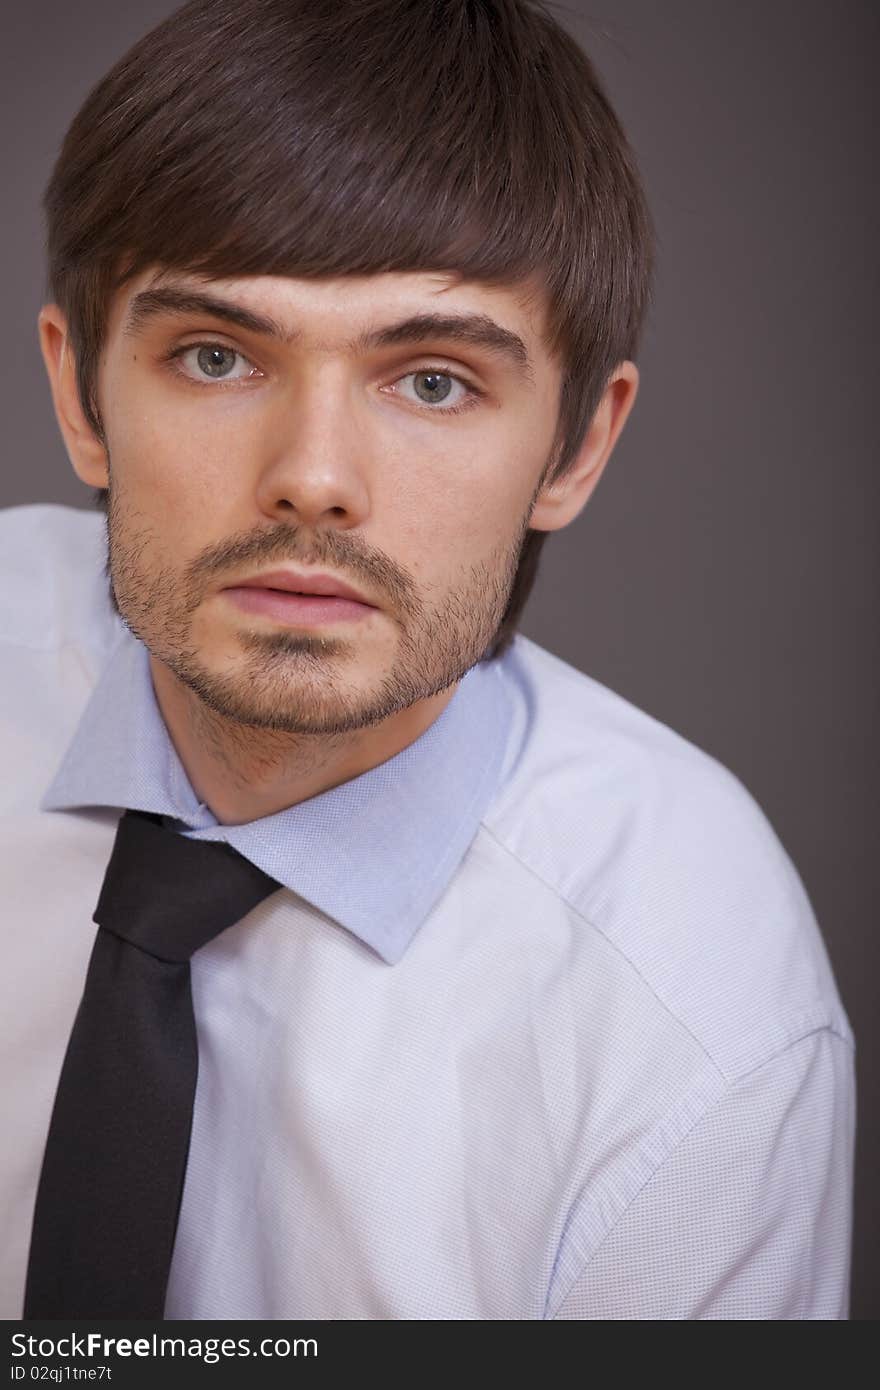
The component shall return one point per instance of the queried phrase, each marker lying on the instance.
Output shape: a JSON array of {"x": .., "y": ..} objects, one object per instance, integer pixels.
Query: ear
[
  {"x": 559, "y": 503},
  {"x": 86, "y": 452}
]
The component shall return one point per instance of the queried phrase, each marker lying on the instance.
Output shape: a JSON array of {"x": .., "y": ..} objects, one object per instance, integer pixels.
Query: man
[{"x": 528, "y": 1015}]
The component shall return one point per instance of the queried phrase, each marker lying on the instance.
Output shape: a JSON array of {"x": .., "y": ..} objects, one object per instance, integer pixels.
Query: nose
[{"x": 314, "y": 469}]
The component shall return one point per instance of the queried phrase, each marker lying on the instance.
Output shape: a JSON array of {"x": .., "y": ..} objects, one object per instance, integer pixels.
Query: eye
[
  {"x": 439, "y": 390},
  {"x": 212, "y": 362}
]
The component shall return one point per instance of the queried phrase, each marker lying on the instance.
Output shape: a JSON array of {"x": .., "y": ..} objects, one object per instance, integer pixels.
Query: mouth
[
  {"x": 300, "y": 598},
  {"x": 295, "y": 609}
]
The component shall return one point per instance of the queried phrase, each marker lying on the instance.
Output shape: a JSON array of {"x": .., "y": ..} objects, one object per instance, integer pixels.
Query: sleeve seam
[{"x": 699, "y": 1118}]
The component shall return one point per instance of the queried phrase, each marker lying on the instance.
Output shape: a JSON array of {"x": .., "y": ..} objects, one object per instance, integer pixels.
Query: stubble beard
[{"x": 294, "y": 682}]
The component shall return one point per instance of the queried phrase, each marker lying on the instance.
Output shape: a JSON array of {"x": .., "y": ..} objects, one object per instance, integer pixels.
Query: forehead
[{"x": 326, "y": 314}]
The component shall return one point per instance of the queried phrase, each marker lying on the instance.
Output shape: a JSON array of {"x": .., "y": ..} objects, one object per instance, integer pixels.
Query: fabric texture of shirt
[{"x": 539, "y": 1025}]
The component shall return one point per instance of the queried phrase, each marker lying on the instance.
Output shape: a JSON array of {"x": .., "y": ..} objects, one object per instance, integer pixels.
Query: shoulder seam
[{"x": 804, "y": 1023}]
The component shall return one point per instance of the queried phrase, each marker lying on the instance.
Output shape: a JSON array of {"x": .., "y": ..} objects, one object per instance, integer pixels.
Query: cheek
[
  {"x": 439, "y": 531},
  {"x": 172, "y": 461}
]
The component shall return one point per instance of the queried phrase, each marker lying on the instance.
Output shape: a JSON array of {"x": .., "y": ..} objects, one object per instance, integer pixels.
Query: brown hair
[{"x": 332, "y": 137}]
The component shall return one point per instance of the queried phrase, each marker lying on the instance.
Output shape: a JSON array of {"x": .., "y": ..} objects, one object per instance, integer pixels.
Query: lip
[
  {"x": 303, "y": 582},
  {"x": 295, "y": 609}
]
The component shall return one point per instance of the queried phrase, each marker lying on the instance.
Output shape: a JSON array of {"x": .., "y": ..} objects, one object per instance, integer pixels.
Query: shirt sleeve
[{"x": 750, "y": 1217}]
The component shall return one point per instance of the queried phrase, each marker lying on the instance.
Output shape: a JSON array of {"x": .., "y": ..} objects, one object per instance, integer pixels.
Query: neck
[{"x": 243, "y": 773}]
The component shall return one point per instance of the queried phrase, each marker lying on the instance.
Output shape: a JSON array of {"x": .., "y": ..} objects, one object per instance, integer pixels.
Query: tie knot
[{"x": 168, "y": 894}]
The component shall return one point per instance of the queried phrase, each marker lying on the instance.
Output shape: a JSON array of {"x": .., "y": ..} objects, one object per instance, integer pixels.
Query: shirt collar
[{"x": 374, "y": 853}]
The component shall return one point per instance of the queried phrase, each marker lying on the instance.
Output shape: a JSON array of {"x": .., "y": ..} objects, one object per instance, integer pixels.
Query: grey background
[{"x": 722, "y": 577}]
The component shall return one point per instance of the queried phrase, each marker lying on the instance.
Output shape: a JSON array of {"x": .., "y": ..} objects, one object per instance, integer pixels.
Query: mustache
[
  {"x": 348, "y": 556},
  {"x": 371, "y": 568}
]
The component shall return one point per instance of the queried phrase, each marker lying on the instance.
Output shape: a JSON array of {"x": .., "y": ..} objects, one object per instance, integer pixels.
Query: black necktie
[{"x": 115, "y": 1158}]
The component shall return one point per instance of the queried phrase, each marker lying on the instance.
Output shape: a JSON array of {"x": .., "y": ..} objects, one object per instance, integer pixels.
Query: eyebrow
[{"x": 476, "y": 330}]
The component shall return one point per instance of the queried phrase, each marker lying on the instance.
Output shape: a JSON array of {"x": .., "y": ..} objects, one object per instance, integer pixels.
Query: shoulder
[
  {"x": 660, "y": 848},
  {"x": 52, "y": 573}
]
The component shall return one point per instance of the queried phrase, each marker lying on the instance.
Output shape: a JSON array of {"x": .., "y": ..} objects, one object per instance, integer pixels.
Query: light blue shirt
[{"x": 540, "y": 1024}]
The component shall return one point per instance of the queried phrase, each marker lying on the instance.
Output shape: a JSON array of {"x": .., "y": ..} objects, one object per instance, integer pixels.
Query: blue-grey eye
[
  {"x": 432, "y": 386},
  {"x": 216, "y": 361}
]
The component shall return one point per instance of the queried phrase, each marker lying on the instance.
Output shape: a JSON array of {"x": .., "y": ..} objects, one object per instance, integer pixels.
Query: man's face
[{"x": 404, "y": 465}]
